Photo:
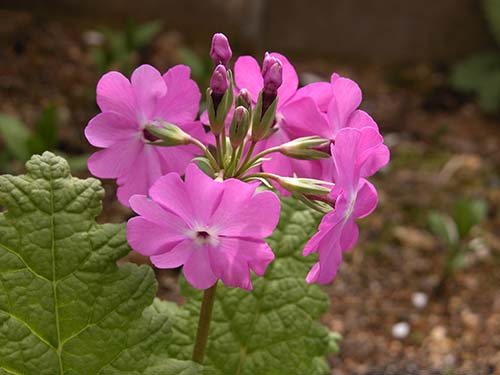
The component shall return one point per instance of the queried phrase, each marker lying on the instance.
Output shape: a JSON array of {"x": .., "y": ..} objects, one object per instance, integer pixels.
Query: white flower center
[{"x": 203, "y": 236}]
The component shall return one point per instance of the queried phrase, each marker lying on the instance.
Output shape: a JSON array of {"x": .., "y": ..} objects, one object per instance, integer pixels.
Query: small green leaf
[
  {"x": 65, "y": 306},
  {"x": 15, "y": 136},
  {"x": 468, "y": 213},
  {"x": 273, "y": 329},
  {"x": 45, "y": 133},
  {"x": 492, "y": 14},
  {"x": 443, "y": 227},
  {"x": 200, "y": 67},
  {"x": 480, "y": 74},
  {"x": 143, "y": 34}
]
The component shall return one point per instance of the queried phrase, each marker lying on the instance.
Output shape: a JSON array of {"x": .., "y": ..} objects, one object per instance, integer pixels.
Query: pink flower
[
  {"x": 330, "y": 109},
  {"x": 214, "y": 229},
  {"x": 357, "y": 153},
  {"x": 127, "y": 107},
  {"x": 326, "y": 113}
]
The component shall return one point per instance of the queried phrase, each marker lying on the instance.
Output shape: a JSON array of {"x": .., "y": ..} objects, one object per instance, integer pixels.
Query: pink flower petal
[
  {"x": 366, "y": 200},
  {"x": 255, "y": 219},
  {"x": 360, "y": 119},
  {"x": 345, "y": 157},
  {"x": 290, "y": 79},
  {"x": 175, "y": 257},
  {"x": 247, "y": 75},
  {"x": 378, "y": 158},
  {"x": 232, "y": 258},
  {"x": 312, "y": 276},
  {"x": 320, "y": 92},
  {"x": 149, "y": 238},
  {"x": 278, "y": 164},
  {"x": 116, "y": 160},
  {"x": 373, "y": 154},
  {"x": 148, "y": 86},
  {"x": 176, "y": 158},
  {"x": 181, "y": 103},
  {"x": 349, "y": 234},
  {"x": 203, "y": 190},
  {"x": 303, "y": 118},
  {"x": 107, "y": 128},
  {"x": 197, "y": 269},
  {"x": 114, "y": 94},
  {"x": 169, "y": 191},
  {"x": 141, "y": 174},
  {"x": 235, "y": 198},
  {"x": 329, "y": 262},
  {"x": 152, "y": 211},
  {"x": 346, "y": 98}
]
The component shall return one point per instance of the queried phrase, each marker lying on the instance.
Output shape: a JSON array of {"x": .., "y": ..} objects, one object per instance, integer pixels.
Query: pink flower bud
[
  {"x": 244, "y": 99},
  {"x": 239, "y": 112},
  {"x": 220, "y": 51},
  {"x": 219, "y": 82},
  {"x": 272, "y": 72}
]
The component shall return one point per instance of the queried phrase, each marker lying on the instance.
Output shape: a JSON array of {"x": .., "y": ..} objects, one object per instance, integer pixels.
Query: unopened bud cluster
[{"x": 249, "y": 123}]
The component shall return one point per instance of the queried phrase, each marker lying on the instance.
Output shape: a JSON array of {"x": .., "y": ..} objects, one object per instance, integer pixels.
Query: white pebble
[
  {"x": 401, "y": 330},
  {"x": 419, "y": 300}
]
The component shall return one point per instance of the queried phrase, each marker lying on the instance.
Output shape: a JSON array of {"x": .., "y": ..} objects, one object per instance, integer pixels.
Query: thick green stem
[{"x": 204, "y": 324}]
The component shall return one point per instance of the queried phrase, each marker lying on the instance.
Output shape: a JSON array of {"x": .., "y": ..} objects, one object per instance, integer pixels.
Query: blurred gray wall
[{"x": 375, "y": 30}]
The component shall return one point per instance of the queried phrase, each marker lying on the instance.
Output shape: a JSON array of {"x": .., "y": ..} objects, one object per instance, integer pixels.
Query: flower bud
[
  {"x": 305, "y": 148},
  {"x": 168, "y": 134},
  {"x": 263, "y": 118},
  {"x": 219, "y": 82},
  {"x": 239, "y": 126},
  {"x": 272, "y": 72},
  {"x": 307, "y": 186},
  {"x": 220, "y": 51},
  {"x": 220, "y": 98},
  {"x": 244, "y": 99}
]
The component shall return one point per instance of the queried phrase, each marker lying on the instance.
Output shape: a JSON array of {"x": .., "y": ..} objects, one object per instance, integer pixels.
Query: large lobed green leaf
[
  {"x": 65, "y": 306},
  {"x": 273, "y": 330}
]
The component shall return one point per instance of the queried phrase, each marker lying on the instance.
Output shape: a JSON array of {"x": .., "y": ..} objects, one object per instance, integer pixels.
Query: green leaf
[
  {"x": 143, "y": 34},
  {"x": 443, "y": 227},
  {"x": 65, "y": 306},
  {"x": 492, "y": 14},
  {"x": 200, "y": 68},
  {"x": 15, "y": 136},
  {"x": 45, "y": 134},
  {"x": 480, "y": 74},
  {"x": 468, "y": 213},
  {"x": 175, "y": 367},
  {"x": 275, "y": 328}
]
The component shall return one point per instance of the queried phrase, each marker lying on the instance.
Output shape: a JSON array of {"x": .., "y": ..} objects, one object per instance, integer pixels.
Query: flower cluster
[{"x": 264, "y": 132}]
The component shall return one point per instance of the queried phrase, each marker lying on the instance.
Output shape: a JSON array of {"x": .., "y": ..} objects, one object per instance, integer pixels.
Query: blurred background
[{"x": 420, "y": 292}]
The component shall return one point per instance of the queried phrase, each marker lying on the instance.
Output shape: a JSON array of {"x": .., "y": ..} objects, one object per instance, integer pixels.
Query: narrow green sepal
[
  {"x": 169, "y": 135},
  {"x": 304, "y": 148},
  {"x": 303, "y": 185},
  {"x": 261, "y": 123}
]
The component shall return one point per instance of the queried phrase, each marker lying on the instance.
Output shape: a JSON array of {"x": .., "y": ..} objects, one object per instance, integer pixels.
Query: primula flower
[
  {"x": 325, "y": 114},
  {"x": 127, "y": 107},
  {"x": 329, "y": 112},
  {"x": 357, "y": 153},
  {"x": 214, "y": 229}
]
